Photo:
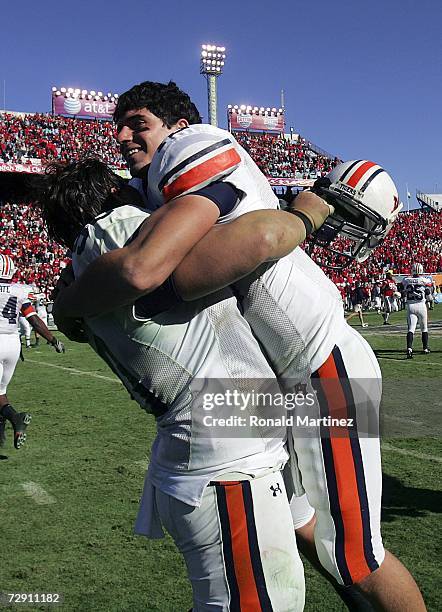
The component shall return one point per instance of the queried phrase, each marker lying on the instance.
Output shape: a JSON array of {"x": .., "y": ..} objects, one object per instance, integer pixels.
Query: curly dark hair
[
  {"x": 73, "y": 194},
  {"x": 168, "y": 102}
]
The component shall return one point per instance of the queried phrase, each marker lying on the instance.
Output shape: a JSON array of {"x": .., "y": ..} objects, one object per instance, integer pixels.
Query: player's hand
[
  {"x": 58, "y": 346},
  {"x": 312, "y": 206}
]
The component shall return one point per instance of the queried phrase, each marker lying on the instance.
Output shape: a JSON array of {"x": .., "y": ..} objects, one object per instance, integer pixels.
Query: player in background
[
  {"x": 40, "y": 304},
  {"x": 159, "y": 358},
  {"x": 415, "y": 287},
  {"x": 14, "y": 299},
  {"x": 24, "y": 327},
  {"x": 429, "y": 294},
  {"x": 389, "y": 291},
  {"x": 376, "y": 298},
  {"x": 358, "y": 297},
  {"x": 199, "y": 166}
]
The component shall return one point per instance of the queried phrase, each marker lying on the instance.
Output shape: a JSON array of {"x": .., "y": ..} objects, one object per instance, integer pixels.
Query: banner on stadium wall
[
  {"x": 27, "y": 168},
  {"x": 96, "y": 109},
  {"x": 263, "y": 123},
  {"x": 289, "y": 182},
  {"x": 40, "y": 169}
]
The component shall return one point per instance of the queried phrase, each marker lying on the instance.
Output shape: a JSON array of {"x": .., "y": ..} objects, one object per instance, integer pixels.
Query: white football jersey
[
  {"x": 294, "y": 309},
  {"x": 163, "y": 361},
  {"x": 198, "y": 155},
  {"x": 415, "y": 288},
  {"x": 14, "y": 300},
  {"x": 40, "y": 304}
]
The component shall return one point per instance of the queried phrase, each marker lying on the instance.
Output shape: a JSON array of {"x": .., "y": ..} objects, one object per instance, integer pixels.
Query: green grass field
[{"x": 69, "y": 498}]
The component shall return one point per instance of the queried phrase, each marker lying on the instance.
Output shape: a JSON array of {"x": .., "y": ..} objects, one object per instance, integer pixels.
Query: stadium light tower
[{"x": 211, "y": 66}]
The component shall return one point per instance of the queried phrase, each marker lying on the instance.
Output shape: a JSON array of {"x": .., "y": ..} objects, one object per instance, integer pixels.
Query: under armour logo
[{"x": 276, "y": 489}]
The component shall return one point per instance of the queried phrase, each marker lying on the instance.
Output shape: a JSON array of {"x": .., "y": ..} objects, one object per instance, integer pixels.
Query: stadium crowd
[
  {"x": 32, "y": 138},
  {"x": 277, "y": 156},
  {"x": 416, "y": 236},
  {"x": 23, "y": 236},
  {"x": 37, "y": 138}
]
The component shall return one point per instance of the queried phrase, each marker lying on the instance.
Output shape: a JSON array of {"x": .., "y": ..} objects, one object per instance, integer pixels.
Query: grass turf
[{"x": 69, "y": 498}]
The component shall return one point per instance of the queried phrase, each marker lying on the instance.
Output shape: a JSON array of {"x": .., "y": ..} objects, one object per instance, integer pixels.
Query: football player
[
  {"x": 15, "y": 300},
  {"x": 389, "y": 291},
  {"x": 198, "y": 175},
  {"x": 24, "y": 327},
  {"x": 192, "y": 481},
  {"x": 415, "y": 287},
  {"x": 40, "y": 304},
  {"x": 358, "y": 298}
]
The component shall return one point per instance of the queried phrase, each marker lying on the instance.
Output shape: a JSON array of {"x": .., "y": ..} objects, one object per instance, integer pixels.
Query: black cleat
[
  {"x": 21, "y": 421},
  {"x": 409, "y": 354},
  {"x": 426, "y": 351},
  {"x": 2, "y": 431}
]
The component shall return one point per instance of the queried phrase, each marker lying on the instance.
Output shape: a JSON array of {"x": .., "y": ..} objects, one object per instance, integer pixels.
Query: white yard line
[
  {"x": 410, "y": 453},
  {"x": 401, "y": 419},
  {"x": 37, "y": 493},
  {"x": 74, "y": 371},
  {"x": 420, "y": 363}
]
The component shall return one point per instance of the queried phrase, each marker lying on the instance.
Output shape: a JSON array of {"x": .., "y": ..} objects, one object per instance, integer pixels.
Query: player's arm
[
  {"x": 123, "y": 275},
  {"x": 40, "y": 327},
  {"x": 234, "y": 250}
]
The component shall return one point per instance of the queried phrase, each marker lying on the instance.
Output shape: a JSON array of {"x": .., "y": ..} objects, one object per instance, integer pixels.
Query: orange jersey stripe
[
  {"x": 203, "y": 172},
  {"x": 352, "y": 181},
  {"x": 345, "y": 474},
  {"x": 245, "y": 577},
  {"x": 27, "y": 310}
]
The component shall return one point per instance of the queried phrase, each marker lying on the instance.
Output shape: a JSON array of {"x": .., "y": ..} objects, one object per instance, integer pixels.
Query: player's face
[{"x": 139, "y": 134}]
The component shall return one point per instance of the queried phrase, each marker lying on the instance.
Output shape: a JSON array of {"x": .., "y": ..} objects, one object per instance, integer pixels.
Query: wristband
[{"x": 307, "y": 223}]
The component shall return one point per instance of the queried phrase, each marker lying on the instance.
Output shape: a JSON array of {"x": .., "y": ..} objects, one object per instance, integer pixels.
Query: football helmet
[
  {"x": 7, "y": 267},
  {"x": 366, "y": 203},
  {"x": 417, "y": 268}
]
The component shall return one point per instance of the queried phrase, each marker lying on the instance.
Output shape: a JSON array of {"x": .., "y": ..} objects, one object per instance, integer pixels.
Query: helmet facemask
[{"x": 352, "y": 231}]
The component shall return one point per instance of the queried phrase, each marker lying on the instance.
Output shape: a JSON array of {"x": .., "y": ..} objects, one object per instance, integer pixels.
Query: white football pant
[
  {"x": 9, "y": 354},
  {"x": 239, "y": 546}
]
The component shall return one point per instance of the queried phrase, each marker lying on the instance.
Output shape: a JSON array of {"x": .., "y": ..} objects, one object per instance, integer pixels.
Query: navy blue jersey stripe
[
  {"x": 349, "y": 169},
  {"x": 357, "y": 459},
  {"x": 255, "y": 554},
  {"x": 223, "y": 194},
  {"x": 192, "y": 158},
  {"x": 227, "y": 547},
  {"x": 368, "y": 181},
  {"x": 332, "y": 485}
]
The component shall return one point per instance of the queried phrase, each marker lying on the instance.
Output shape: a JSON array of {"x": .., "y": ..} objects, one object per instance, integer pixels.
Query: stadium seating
[
  {"x": 39, "y": 138},
  {"x": 23, "y": 236},
  {"x": 280, "y": 157},
  {"x": 416, "y": 236},
  {"x": 27, "y": 138}
]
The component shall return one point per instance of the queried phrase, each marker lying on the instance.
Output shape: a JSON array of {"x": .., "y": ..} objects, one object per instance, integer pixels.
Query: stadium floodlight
[{"x": 211, "y": 66}]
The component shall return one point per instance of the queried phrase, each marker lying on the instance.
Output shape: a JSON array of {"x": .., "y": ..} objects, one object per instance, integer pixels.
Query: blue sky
[{"x": 361, "y": 79}]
